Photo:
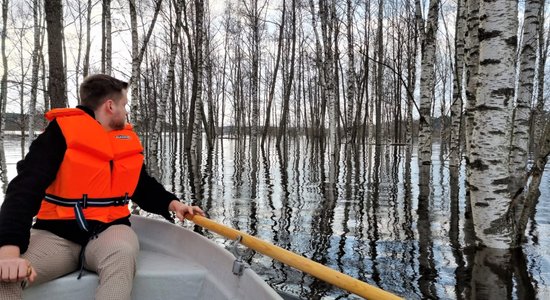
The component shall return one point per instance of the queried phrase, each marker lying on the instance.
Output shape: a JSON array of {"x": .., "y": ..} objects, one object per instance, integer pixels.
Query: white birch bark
[
  {"x": 137, "y": 55},
  {"x": 539, "y": 106},
  {"x": 351, "y": 73},
  {"x": 456, "y": 106},
  {"x": 4, "y": 82},
  {"x": 156, "y": 135},
  {"x": 522, "y": 112},
  {"x": 35, "y": 67},
  {"x": 197, "y": 128},
  {"x": 489, "y": 173},
  {"x": 107, "y": 48},
  {"x": 472, "y": 65},
  {"x": 427, "y": 85},
  {"x": 134, "y": 87},
  {"x": 86, "y": 63}
]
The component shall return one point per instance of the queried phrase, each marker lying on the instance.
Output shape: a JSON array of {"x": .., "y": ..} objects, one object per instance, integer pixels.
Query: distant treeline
[{"x": 17, "y": 122}]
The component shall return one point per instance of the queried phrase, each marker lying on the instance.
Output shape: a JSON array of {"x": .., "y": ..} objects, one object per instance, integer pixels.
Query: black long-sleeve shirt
[{"x": 37, "y": 171}]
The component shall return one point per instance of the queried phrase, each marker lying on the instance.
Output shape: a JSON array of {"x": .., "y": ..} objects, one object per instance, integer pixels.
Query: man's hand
[
  {"x": 12, "y": 267},
  {"x": 182, "y": 209}
]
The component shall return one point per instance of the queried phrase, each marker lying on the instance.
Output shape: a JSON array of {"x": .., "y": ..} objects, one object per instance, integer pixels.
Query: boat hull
[{"x": 174, "y": 263}]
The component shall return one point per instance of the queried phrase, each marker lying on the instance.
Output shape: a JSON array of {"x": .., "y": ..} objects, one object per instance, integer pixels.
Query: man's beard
[{"x": 117, "y": 125}]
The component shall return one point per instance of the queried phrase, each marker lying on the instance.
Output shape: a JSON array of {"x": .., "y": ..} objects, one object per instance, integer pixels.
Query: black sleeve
[
  {"x": 26, "y": 191},
  {"x": 151, "y": 196}
]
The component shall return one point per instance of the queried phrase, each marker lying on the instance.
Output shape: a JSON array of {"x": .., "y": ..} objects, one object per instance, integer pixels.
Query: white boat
[{"x": 174, "y": 263}]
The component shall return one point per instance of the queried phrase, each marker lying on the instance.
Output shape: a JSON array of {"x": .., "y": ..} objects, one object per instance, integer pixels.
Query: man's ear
[{"x": 109, "y": 105}]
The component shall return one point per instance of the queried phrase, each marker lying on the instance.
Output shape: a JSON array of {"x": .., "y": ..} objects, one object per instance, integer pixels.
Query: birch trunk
[
  {"x": 134, "y": 78},
  {"x": 3, "y": 96},
  {"x": 137, "y": 55},
  {"x": 106, "y": 50},
  {"x": 254, "y": 14},
  {"x": 275, "y": 72},
  {"x": 491, "y": 135},
  {"x": 380, "y": 73},
  {"x": 351, "y": 74},
  {"x": 427, "y": 85},
  {"x": 86, "y": 63},
  {"x": 539, "y": 106},
  {"x": 331, "y": 82},
  {"x": 456, "y": 106},
  {"x": 199, "y": 65},
  {"x": 35, "y": 67},
  {"x": 522, "y": 112},
  {"x": 156, "y": 135},
  {"x": 472, "y": 68},
  {"x": 288, "y": 82},
  {"x": 4, "y": 82}
]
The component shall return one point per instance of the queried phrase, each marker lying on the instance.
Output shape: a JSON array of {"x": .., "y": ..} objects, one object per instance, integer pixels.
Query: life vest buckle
[{"x": 84, "y": 200}]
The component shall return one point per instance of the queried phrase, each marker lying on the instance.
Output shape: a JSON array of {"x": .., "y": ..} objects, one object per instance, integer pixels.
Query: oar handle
[{"x": 299, "y": 262}]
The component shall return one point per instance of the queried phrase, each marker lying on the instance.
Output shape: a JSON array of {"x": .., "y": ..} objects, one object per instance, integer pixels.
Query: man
[{"x": 77, "y": 179}]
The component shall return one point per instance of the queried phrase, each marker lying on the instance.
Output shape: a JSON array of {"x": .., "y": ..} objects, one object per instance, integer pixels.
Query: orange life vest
[{"x": 99, "y": 172}]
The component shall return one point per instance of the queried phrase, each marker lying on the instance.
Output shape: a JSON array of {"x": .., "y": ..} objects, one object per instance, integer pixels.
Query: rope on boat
[{"x": 294, "y": 260}]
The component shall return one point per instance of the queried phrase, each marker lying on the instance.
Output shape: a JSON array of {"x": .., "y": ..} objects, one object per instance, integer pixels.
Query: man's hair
[{"x": 98, "y": 88}]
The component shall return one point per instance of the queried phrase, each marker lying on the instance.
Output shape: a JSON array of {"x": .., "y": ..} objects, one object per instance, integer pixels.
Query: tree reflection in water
[{"x": 370, "y": 212}]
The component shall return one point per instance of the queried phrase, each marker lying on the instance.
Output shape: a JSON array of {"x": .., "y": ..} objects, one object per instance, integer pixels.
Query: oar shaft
[{"x": 299, "y": 262}]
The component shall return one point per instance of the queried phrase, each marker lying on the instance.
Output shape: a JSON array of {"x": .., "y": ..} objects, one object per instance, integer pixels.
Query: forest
[{"x": 341, "y": 73}]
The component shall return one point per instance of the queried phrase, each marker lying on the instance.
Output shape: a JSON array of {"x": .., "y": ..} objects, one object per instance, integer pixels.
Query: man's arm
[
  {"x": 26, "y": 191},
  {"x": 151, "y": 196}
]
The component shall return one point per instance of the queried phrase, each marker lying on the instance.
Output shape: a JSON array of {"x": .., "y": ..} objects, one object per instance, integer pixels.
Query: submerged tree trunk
[
  {"x": 350, "y": 128},
  {"x": 427, "y": 85},
  {"x": 380, "y": 73},
  {"x": 491, "y": 135},
  {"x": 275, "y": 72},
  {"x": 522, "y": 112},
  {"x": 137, "y": 55},
  {"x": 456, "y": 106}
]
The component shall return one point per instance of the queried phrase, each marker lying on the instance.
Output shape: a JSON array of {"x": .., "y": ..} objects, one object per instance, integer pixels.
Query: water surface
[{"x": 371, "y": 213}]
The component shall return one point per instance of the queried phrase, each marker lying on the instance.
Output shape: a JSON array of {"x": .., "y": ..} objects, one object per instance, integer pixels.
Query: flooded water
[{"x": 370, "y": 213}]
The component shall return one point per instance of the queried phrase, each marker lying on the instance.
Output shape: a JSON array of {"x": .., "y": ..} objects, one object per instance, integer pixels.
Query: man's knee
[{"x": 10, "y": 290}]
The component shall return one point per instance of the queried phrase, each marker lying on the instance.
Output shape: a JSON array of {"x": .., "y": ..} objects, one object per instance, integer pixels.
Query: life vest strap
[{"x": 85, "y": 202}]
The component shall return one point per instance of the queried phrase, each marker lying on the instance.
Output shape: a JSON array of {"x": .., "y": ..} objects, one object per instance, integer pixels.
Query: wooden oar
[{"x": 299, "y": 262}]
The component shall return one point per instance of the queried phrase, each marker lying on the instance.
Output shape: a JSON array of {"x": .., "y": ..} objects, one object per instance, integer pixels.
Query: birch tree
[
  {"x": 427, "y": 84},
  {"x": 471, "y": 53},
  {"x": 489, "y": 173},
  {"x": 253, "y": 13},
  {"x": 350, "y": 72},
  {"x": 539, "y": 104},
  {"x": 457, "y": 104},
  {"x": 138, "y": 52},
  {"x": 522, "y": 111},
  {"x": 273, "y": 83},
  {"x": 289, "y": 78},
  {"x": 380, "y": 73},
  {"x": 86, "y": 62},
  {"x": 168, "y": 83},
  {"x": 194, "y": 130},
  {"x": 4, "y": 82},
  {"x": 106, "y": 38}
]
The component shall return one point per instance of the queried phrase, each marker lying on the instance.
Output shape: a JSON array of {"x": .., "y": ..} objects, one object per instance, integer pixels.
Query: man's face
[{"x": 118, "y": 120}]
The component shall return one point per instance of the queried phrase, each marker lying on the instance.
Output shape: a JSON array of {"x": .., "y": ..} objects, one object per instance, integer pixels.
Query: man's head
[{"x": 107, "y": 97}]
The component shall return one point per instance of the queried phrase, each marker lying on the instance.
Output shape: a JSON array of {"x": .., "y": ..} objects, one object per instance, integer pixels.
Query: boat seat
[{"x": 157, "y": 276}]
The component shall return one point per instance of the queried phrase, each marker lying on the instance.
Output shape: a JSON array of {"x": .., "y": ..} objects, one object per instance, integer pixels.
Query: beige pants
[{"x": 112, "y": 255}]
